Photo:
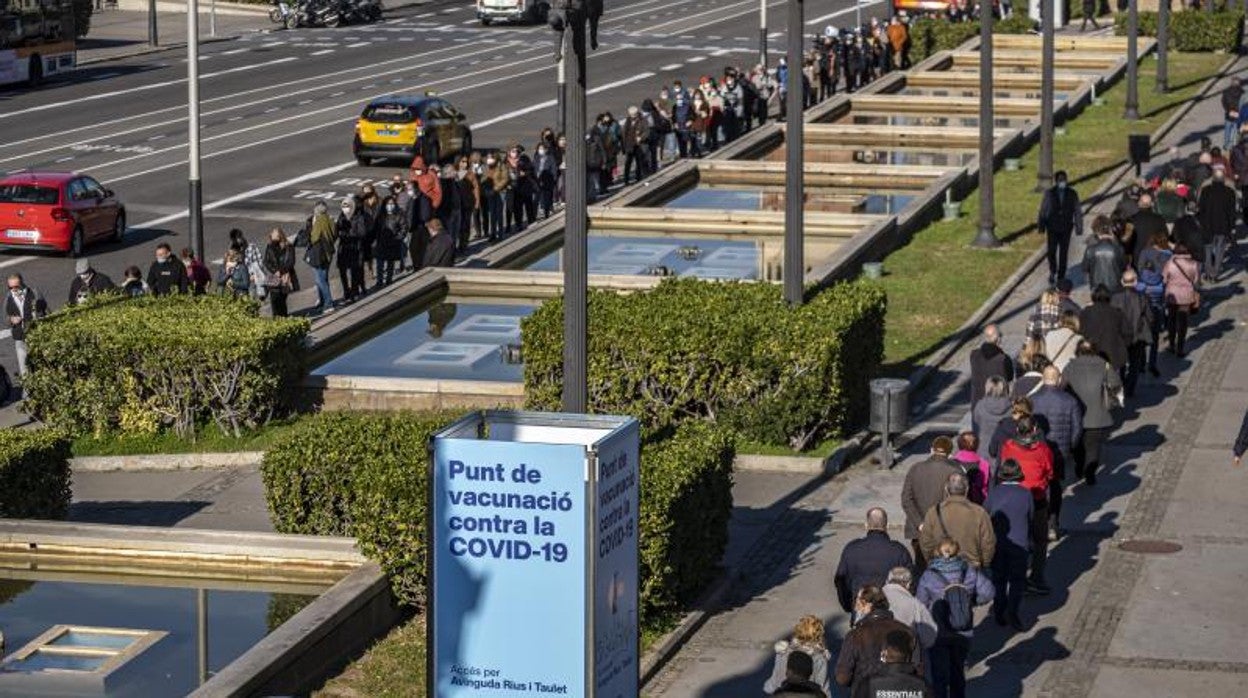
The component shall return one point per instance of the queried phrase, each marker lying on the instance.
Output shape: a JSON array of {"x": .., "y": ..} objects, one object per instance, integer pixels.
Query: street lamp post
[
  {"x": 762, "y": 32},
  {"x": 571, "y": 24},
  {"x": 794, "y": 268},
  {"x": 152, "y": 39},
  {"x": 1132, "y": 110},
  {"x": 986, "y": 236},
  {"x": 561, "y": 93},
  {"x": 1163, "y": 40},
  {"x": 1044, "y": 172},
  {"x": 195, "y": 211}
]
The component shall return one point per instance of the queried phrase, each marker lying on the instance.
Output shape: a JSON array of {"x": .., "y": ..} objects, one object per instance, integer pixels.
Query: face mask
[
  {"x": 418, "y": 172},
  {"x": 1061, "y": 185},
  {"x": 411, "y": 189},
  {"x": 162, "y": 258},
  {"x": 541, "y": 151},
  {"x": 391, "y": 208},
  {"x": 346, "y": 211},
  {"x": 491, "y": 163}
]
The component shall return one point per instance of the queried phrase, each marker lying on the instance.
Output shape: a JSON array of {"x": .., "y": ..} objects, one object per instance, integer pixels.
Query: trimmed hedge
[
  {"x": 686, "y": 500},
  {"x": 364, "y": 474},
  {"x": 730, "y": 353},
  {"x": 142, "y": 365},
  {"x": 34, "y": 474},
  {"x": 931, "y": 34},
  {"x": 1192, "y": 30}
]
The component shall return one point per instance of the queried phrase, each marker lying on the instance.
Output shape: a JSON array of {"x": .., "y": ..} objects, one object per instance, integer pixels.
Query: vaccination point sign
[{"x": 533, "y": 582}]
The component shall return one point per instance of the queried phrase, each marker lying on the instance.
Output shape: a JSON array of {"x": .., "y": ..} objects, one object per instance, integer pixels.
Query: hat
[
  {"x": 1010, "y": 471},
  {"x": 633, "y": 111},
  {"x": 82, "y": 266},
  {"x": 800, "y": 664}
]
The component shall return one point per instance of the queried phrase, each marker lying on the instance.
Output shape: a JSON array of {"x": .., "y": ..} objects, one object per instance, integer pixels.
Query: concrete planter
[{"x": 953, "y": 210}]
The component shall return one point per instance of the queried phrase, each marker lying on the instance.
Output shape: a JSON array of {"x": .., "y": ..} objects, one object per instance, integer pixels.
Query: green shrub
[
  {"x": 931, "y": 34},
  {"x": 1192, "y": 30},
  {"x": 358, "y": 474},
  {"x": 686, "y": 499},
  {"x": 730, "y": 353},
  {"x": 34, "y": 474},
  {"x": 365, "y": 474},
  {"x": 139, "y": 366}
]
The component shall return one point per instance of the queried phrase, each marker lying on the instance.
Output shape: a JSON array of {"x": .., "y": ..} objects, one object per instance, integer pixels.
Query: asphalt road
[{"x": 278, "y": 109}]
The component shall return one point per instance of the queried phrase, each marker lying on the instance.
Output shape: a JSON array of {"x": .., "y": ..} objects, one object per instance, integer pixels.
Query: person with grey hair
[
  {"x": 24, "y": 306},
  {"x": 987, "y": 361},
  {"x": 1138, "y": 330},
  {"x": 990, "y": 411},
  {"x": 964, "y": 521},
  {"x": 867, "y": 560},
  {"x": 899, "y": 588}
]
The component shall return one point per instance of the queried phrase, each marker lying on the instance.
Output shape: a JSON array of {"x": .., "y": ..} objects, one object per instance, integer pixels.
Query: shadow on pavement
[{"x": 134, "y": 513}]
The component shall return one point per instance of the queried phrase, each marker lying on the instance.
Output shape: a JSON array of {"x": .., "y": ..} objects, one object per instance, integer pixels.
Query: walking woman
[
  {"x": 279, "y": 271},
  {"x": 1099, "y": 389},
  {"x": 1181, "y": 276},
  {"x": 390, "y": 234}
]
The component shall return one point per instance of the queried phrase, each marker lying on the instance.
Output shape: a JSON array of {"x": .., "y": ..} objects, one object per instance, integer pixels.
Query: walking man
[
  {"x": 24, "y": 306},
  {"x": 1011, "y": 507},
  {"x": 1060, "y": 216},
  {"x": 866, "y": 561},
  {"x": 924, "y": 487}
]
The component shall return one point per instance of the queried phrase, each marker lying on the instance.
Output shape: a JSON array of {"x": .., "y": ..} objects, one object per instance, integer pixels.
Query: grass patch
[
  {"x": 823, "y": 449},
  {"x": 938, "y": 280},
  {"x": 207, "y": 440},
  {"x": 394, "y": 667}
]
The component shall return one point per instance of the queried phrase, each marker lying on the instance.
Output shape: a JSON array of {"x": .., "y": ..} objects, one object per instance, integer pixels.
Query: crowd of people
[{"x": 983, "y": 508}]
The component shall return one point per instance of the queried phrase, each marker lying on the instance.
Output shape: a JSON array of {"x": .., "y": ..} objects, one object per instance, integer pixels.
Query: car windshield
[
  {"x": 28, "y": 194},
  {"x": 390, "y": 113}
]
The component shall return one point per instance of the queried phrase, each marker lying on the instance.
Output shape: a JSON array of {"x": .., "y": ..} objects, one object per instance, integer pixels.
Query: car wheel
[
  {"x": 76, "y": 242},
  {"x": 362, "y": 161},
  {"x": 119, "y": 227},
  {"x": 486, "y": 21},
  {"x": 292, "y": 21},
  {"x": 34, "y": 77},
  {"x": 333, "y": 20}
]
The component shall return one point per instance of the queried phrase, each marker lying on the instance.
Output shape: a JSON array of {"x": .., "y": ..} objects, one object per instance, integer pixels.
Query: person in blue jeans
[
  {"x": 319, "y": 255},
  {"x": 947, "y": 658}
]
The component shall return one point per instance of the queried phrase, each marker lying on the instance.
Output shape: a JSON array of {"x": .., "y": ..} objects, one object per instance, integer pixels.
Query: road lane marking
[
  {"x": 839, "y": 13},
  {"x": 322, "y": 52},
  {"x": 234, "y": 51},
  {"x": 141, "y": 88}
]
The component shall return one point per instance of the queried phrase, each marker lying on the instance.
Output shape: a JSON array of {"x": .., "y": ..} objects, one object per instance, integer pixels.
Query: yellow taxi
[{"x": 401, "y": 126}]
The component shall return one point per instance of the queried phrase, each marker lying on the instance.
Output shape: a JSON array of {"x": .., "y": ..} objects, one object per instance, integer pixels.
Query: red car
[{"x": 61, "y": 211}]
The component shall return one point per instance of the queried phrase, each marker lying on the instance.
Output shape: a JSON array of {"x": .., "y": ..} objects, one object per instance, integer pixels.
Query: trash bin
[{"x": 890, "y": 412}]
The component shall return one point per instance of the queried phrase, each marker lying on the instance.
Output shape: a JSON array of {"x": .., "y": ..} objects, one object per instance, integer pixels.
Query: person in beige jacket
[{"x": 962, "y": 520}]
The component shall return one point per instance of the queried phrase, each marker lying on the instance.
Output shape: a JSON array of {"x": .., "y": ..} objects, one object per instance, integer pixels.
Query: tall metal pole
[
  {"x": 1044, "y": 172},
  {"x": 152, "y": 39},
  {"x": 212, "y": 18},
  {"x": 561, "y": 94},
  {"x": 762, "y": 32},
  {"x": 1163, "y": 50},
  {"x": 576, "y": 225},
  {"x": 1132, "y": 110},
  {"x": 794, "y": 267},
  {"x": 201, "y": 635},
  {"x": 195, "y": 209},
  {"x": 986, "y": 236}
]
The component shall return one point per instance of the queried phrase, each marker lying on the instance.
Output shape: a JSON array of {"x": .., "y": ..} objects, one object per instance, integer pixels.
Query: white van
[{"x": 533, "y": 11}]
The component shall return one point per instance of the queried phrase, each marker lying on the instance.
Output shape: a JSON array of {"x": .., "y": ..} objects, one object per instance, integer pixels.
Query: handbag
[{"x": 1195, "y": 304}]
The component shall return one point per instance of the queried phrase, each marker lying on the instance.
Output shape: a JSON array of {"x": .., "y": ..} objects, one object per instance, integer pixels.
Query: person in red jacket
[{"x": 1035, "y": 458}]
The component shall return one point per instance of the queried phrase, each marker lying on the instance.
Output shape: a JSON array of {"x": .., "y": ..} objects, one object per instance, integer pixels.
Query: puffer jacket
[
  {"x": 1036, "y": 460},
  {"x": 1060, "y": 417},
  {"x": 941, "y": 573},
  {"x": 1181, "y": 274}
]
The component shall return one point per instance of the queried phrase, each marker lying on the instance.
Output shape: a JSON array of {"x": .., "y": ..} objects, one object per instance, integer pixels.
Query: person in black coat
[
  {"x": 280, "y": 279},
  {"x": 988, "y": 361},
  {"x": 87, "y": 282},
  {"x": 1241, "y": 441},
  {"x": 1146, "y": 223},
  {"x": 352, "y": 228},
  {"x": 798, "y": 670},
  {"x": 1103, "y": 260},
  {"x": 1103, "y": 325},
  {"x": 1218, "y": 211},
  {"x": 1190, "y": 233},
  {"x": 867, "y": 560},
  {"x": 1060, "y": 216},
  {"x": 897, "y": 675},
  {"x": 167, "y": 274},
  {"x": 441, "y": 249}
]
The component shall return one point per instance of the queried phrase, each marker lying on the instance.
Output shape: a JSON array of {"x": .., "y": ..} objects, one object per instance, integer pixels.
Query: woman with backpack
[{"x": 951, "y": 588}]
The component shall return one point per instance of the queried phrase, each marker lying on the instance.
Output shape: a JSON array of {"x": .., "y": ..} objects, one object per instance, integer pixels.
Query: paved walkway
[
  {"x": 121, "y": 33},
  {"x": 1118, "y": 623}
]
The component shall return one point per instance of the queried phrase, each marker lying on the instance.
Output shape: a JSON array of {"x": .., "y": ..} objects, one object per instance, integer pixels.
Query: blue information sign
[{"x": 534, "y": 557}]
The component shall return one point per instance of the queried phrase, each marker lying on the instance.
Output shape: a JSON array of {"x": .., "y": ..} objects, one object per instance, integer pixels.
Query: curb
[
  {"x": 160, "y": 49},
  {"x": 919, "y": 377},
  {"x": 165, "y": 462}
]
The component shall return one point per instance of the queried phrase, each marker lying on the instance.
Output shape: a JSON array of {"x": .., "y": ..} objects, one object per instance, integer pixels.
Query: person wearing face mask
[
  {"x": 476, "y": 166},
  {"x": 24, "y": 306},
  {"x": 370, "y": 205},
  {"x": 609, "y": 137},
  {"x": 862, "y": 647},
  {"x": 682, "y": 121},
  {"x": 390, "y": 234},
  {"x": 280, "y": 279},
  {"x": 469, "y": 201},
  {"x": 87, "y": 282},
  {"x": 734, "y": 108},
  {"x": 636, "y": 139},
  {"x": 595, "y": 165},
  {"x": 494, "y": 185},
  {"x": 451, "y": 210},
  {"x": 560, "y": 153},
  {"x": 547, "y": 175},
  {"x": 1217, "y": 205},
  {"x": 428, "y": 197},
  {"x": 1060, "y": 216},
  {"x": 352, "y": 228},
  {"x": 167, "y": 274}
]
